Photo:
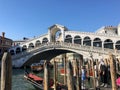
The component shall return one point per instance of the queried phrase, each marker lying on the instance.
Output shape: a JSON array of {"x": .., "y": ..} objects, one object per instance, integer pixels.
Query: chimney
[{"x": 3, "y": 34}]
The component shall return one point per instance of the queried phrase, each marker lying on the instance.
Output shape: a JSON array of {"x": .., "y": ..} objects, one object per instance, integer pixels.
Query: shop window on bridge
[
  {"x": 37, "y": 43},
  {"x": 31, "y": 45},
  {"x": 18, "y": 50},
  {"x": 117, "y": 45},
  {"x": 108, "y": 44},
  {"x": 24, "y": 48},
  {"x": 45, "y": 40},
  {"x": 97, "y": 42},
  {"x": 68, "y": 39},
  {"x": 87, "y": 41},
  {"x": 77, "y": 40},
  {"x": 12, "y": 52}
]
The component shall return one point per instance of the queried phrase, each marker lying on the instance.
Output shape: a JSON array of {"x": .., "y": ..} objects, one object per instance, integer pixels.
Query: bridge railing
[{"x": 64, "y": 45}]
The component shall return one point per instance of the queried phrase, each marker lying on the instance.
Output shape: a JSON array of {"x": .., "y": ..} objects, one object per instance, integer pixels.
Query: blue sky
[{"x": 29, "y": 18}]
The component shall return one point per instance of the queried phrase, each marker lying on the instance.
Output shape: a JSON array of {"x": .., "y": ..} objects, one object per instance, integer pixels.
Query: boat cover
[{"x": 34, "y": 77}]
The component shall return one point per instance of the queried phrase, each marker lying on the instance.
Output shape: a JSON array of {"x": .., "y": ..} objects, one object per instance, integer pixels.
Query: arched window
[
  {"x": 87, "y": 41},
  {"x": 31, "y": 45},
  {"x": 24, "y": 48},
  {"x": 77, "y": 40},
  {"x": 97, "y": 42},
  {"x": 117, "y": 45},
  {"x": 18, "y": 50},
  {"x": 108, "y": 43},
  {"x": 37, "y": 43},
  {"x": 12, "y": 52},
  {"x": 45, "y": 40},
  {"x": 68, "y": 39}
]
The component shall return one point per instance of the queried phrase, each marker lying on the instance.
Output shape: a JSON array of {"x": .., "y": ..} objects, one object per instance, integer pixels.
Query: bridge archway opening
[
  {"x": 45, "y": 40},
  {"x": 97, "y": 42},
  {"x": 24, "y": 48},
  {"x": 68, "y": 39},
  {"x": 18, "y": 50},
  {"x": 37, "y": 43},
  {"x": 56, "y": 35},
  {"x": 108, "y": 43},
  {"x": 117, "y": 45},
  {"x": 77, "y": 40},
  {"x": 31, "y": 45},
  {"x": 12, "y": 52},
  {"x": 87, "y": 41}
]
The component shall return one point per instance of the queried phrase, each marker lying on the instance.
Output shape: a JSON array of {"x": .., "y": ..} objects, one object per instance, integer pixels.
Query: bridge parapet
[{"x": 64, "y": 45}]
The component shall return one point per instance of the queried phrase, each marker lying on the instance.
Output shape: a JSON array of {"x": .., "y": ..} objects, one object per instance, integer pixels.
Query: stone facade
[{"x": 5, "y": 43}]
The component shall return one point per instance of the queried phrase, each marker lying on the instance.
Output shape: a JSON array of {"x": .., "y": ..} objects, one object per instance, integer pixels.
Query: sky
[{"x": 30, "y": 18}]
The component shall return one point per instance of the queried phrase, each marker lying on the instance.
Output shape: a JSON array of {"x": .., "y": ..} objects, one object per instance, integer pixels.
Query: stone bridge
[
  {"x": 50, "y": 50},
  {"x": 60, "y": 40}
]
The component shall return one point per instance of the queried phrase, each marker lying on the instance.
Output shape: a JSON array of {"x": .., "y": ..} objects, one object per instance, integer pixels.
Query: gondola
[{"x": 37, "y": 82}]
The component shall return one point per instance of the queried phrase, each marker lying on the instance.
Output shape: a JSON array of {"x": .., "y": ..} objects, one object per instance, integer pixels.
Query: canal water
[{"x": 18, "y": 81}]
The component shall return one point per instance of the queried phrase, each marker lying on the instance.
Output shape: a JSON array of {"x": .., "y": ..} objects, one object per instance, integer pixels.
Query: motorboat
[{"x": 36, "y": 67}]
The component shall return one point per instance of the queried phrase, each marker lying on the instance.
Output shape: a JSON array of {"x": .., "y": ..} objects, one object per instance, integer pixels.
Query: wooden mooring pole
[
  {"x": 46, "y": 79},
  {"x": 69, "y": 77},
  {"x": 65, "y": 80},
  {"x": 113, "y": 71},
  {"x": 55, "y": 75},
  {"x": 6, "y": 72},
  {"x": 78, "y": 86}
]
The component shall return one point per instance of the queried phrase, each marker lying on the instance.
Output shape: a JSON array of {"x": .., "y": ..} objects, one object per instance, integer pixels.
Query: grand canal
[{"x": 18, "y": 81}]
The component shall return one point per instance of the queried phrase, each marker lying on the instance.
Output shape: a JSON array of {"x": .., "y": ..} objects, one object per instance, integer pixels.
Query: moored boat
[
  {"x": 37, "y": 82},
  {"x": 37, "y": 67}
]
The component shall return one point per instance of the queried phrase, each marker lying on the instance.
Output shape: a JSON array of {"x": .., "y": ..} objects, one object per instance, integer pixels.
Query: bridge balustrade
[{"x": 54, "y": 45}]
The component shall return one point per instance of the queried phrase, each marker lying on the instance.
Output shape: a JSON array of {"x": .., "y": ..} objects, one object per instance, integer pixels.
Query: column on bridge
[
  {"x": 63, "y": 35},
  {"x": 91, "y": 43},
  {"x": 103, "y": 45}
]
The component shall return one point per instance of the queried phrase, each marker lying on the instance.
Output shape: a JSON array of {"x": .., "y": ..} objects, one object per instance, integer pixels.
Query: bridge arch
[
  {"x": 51, "y": 53},
  {"x": 57, "y": 33}
]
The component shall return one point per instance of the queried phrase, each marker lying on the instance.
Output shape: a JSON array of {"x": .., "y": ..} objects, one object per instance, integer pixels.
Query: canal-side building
[{"x": 5, "y": 43}]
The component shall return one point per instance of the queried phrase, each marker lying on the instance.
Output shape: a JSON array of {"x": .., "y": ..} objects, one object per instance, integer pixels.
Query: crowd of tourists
[{"x": 101, "y": 71}]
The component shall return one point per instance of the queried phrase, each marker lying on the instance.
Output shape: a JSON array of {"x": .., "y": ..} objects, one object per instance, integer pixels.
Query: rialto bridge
[{"x": 60, "y": 40}]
